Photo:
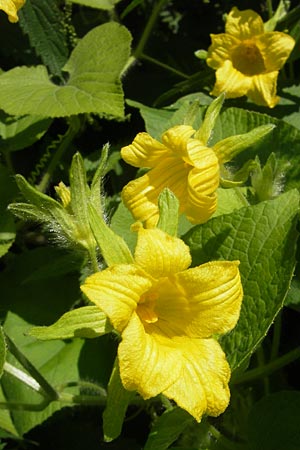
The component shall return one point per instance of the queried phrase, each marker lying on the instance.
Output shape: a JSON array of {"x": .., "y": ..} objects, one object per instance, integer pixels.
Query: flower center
[
  {"x": 247, "y": 59},
  {"x": 145, "y": 307}
]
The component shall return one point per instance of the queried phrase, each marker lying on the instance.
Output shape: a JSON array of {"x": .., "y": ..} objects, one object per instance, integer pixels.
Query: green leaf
[
  {"x": 206, "y": 129},
  {"x": 121, "y": 224},
  {"x": 100, "y": 4},
  {"x": 167, "y": 429},
  {"x": 284, "y": 140},
  {"x": 21, "y": 132},
  {"x": 116, "y": 406},
  {"x": 43, "y": 21},
  {"x": 168, "y": 206},
  {"x": 261, "y": 237},
  {"x": 273, "y": 422},
  {"x": 2, "y": 351},
  {"x": 7, "y": 226},
  {"x": 84, "y": 322},
  {"x": 6, "y": 422},
  {"x": 94, "y": 85},
  {"x": 56, "y": 360}
]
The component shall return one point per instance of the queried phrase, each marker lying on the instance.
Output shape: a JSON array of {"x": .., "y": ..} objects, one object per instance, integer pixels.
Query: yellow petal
[
  {"x": 263, "y": 89},
  {"x": 231, "y": 81},
  {"x": 275, "y": 48},
  {"x": 244, "y": 24},
  {"x": 201, "y": 201},
  {"x": 144, "y": 151},
  {"x": 176, "y": 139},
  {"x": 160, "y": 254},
  {"x": 141, "y": 195},
  {"x": 11, "y": 7},
  {"x": 117, "y": 290},
  {"x": 146, "y": 365},
  {"x": 214, "y": 293},
  {"x": 220, "y": 49},
  {"x": 203, "y": 384}
]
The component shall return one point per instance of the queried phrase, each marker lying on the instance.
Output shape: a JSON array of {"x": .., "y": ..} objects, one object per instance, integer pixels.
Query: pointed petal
[
  {"x": 231, "y": 81},
  {"x": 275, "y": 48},
  {"x": 263, "y": 89},
  {"x": 244, "y": 24},
  {"x": 147, "y": 364},
  {"x": 220, "y": 49},
  {"x": 141, "y": 195},
  {"x": 176, "y": 139},
  {"x": 203, "y": 384},
  {"x": 144, "y": 151},
  {"x": 160, "y": 254},
  {"x": 116, "y": 291}
]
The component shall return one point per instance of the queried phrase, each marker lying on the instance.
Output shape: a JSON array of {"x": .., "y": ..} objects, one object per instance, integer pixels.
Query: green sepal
[
  {"x": 113, "y": 247},
  {"x": 80, "y": 196},
  {"x": 211, "y": 116},
  {"x": 95, "y": 196},
  {"x": 168, "y": 206},
  {"x": 117, "y": 402},
  {"x": 42, "y": 208},
  {"x": 84, "y": 322},
  {"x": 2, "y": 351},
  {"x": 228, "y": 148},
  {"x": 191, "y": 113},
  {"x": 280, "y": 13},
  {"x": 267, "y": 181}
]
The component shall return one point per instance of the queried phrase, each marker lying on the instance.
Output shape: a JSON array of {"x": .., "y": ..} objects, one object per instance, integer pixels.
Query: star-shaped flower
[
  {"x": 11, "y": 7},
  {"x": 168, "y": 316},
  {"x": 247, "y": 59}
]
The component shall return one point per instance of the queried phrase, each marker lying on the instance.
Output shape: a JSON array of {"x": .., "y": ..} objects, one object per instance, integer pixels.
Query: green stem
[
  {"x": 164, "y": 66},
  {"x": 74, "y": 127},
  {"x": 148, "y": 28},
  {"x": 45, "y": 388},
  {"x": 269, "y": 368},
  {"x": 261, "y": 363}
]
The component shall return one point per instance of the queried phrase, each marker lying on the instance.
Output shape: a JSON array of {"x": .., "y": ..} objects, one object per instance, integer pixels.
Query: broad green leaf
[
  {"x": 6, "y": 422},
  {"x": 261, "y": 237},
  {"x": 21, "y": 132},
  {"x": 87, "y": 321},
  {"x": 2, "y": 351},
  {"x": 284, "y": 140},
  {"x": 56, "y": 360},
  {"x": 116, "y": 406},
  {"x": 43, "y": 21},
  {"x": 229, "y": 200},
  {"x": 94, "y": 85},
  {"x": 100, "y": 4},
  {"x": 167, "y": 429},
  {"x": 273, "y": 422}
]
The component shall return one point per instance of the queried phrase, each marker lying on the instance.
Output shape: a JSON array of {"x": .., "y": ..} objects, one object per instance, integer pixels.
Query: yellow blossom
[
  {"x": 167, "y": 316},
  {"x": 247, "y": 59},
  {"x": 11, "y": 7},
  {"x": 181, "y": 163}
]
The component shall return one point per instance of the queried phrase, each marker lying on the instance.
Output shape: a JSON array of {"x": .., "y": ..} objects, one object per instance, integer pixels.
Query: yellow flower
[
  {"x": 11, "y": 7},
  {"x": 247, "y": 59},
  {"x": 167, "y": 316},
  {"x": 183, "y": 164}
]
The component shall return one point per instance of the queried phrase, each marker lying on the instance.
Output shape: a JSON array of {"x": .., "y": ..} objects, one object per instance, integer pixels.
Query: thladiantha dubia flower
[
  {"x": 11, "y": 7},
  {"x": 182, "y": 164},
  {"x": 167, "y": 316},
  {"x": 247, "y": 59}
]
